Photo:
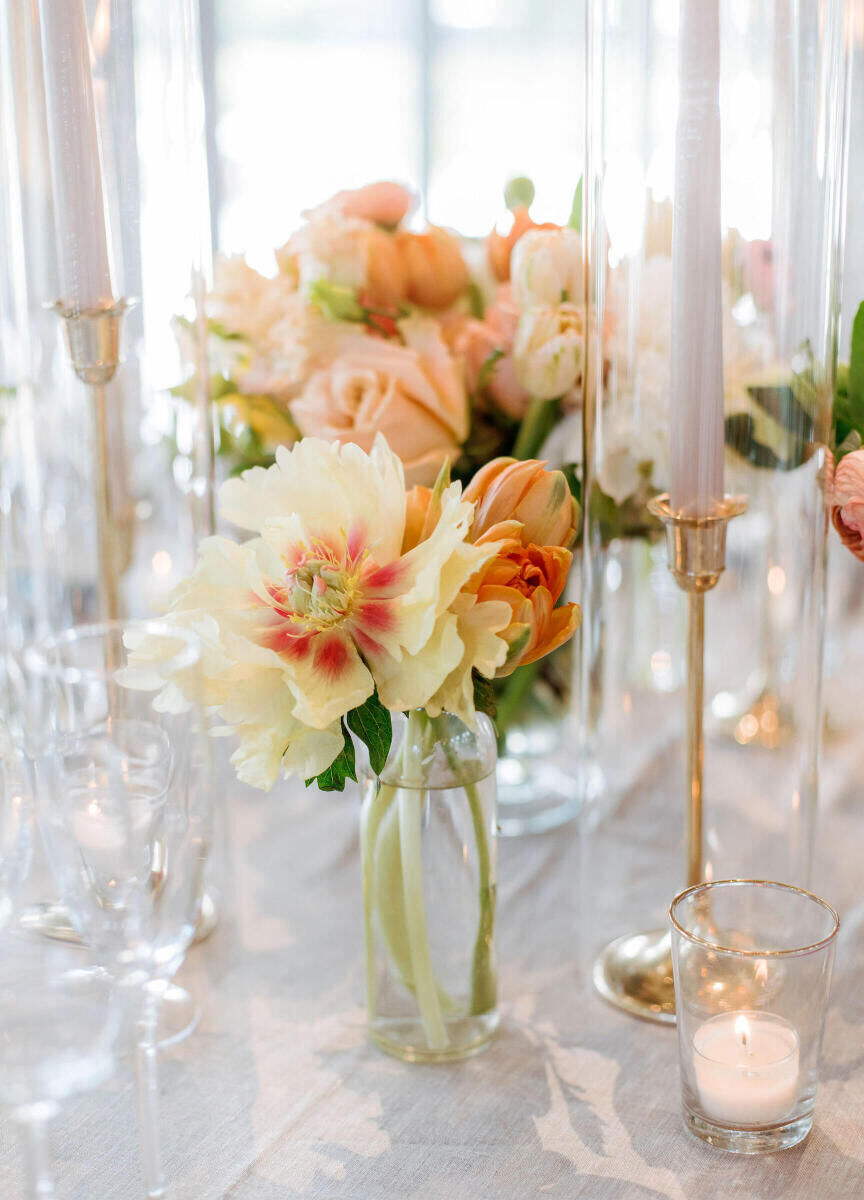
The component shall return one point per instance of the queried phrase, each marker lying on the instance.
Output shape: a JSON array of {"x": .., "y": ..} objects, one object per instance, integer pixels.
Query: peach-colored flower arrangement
[
  {"x": 369, "y": 325},
  {"x": 354, "y": 599},
  {"x": 374, "y": 326}
]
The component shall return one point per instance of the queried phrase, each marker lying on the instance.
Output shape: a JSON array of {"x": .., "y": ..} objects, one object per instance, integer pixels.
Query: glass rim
[
  {"x": 719, "y": 948},
  {"x": 36, "y": 654}
]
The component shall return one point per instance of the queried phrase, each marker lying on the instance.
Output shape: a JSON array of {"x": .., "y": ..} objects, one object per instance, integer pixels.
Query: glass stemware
[
  {"x": 124, "y": 807},
  {"x": 59, "y": 1023}
]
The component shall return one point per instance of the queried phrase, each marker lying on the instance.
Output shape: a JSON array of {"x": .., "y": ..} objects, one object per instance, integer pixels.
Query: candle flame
[
  {"x": 762, "y": 972},
  {"x": 742, "y": 1030}
]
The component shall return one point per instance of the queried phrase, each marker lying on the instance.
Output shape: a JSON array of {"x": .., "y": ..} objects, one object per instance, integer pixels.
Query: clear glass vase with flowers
[{"x": 353, "y": 600}]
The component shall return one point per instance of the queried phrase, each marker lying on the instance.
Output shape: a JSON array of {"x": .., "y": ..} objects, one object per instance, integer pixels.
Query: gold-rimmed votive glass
[{"x": 752, "y": 962}]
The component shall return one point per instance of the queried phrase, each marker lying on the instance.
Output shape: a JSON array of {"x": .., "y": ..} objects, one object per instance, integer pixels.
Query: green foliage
[
  {"x": 539, "y": 421},
  {"x": 575, "y": 221},
  {"x": 342, "y": 768},
  {"x": 336, "y": 302},
  {"x": 373, "y": 726},
  {"x": 484, "y": 375},
  {"x": 484, "y": 695},
  {"x": 476, "y": 303},
  {"x": 519, "y": 193},
  {"x": 849, "y": 392}
]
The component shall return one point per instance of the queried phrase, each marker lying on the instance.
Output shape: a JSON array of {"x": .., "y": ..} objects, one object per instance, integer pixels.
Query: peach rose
[
  {"x": 413, "y": 394},
  {"x": 474, "y": 340},
  {"x": 540, "y": 500},
  {"x": 384, "y": 203},
  {"x": 499, "y": 247},
  {"x": 847, "y": 510},
  {"x": 436, "y": 272}
]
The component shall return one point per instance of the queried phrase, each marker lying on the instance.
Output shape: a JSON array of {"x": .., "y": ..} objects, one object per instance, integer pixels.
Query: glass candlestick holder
[{"x": 752, "y": 963}]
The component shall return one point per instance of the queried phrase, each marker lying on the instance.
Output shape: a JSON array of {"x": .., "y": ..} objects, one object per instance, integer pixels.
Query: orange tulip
[
  {"x": 530, "y": 579},
  {"x": 417, "y": 505},
  {"x": 436, "y": 273},
  {"x": 540, "y": 500},
  {"x": 499, "y": 247},
  {"x": 386, "y": 277}
]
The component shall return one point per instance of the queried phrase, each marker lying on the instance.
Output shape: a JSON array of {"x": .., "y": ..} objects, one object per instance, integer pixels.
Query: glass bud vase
[{"x": 428, "y": 836}]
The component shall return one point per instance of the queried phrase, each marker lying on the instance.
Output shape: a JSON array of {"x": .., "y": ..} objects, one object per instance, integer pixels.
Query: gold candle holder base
[{"x": 635, "y": 971}]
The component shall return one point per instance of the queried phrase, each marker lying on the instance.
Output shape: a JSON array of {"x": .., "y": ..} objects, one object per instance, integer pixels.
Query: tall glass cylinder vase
[
  {"x": 106, "y": 440},
  {"x": 105, "y": 253},
  {"x": 782, "y": 101}
]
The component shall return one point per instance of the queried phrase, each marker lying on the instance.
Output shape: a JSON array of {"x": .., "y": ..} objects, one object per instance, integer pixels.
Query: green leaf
[
  {"x": 343, "y": 767},
  {"x": 222, "y": 331},
  {"x": 517, "y": 646},
  {"x": 336, "y": 302},
  {"x": 536, "y": 426},
  {"x": 484, "y": 375},
  {"x": 575, "y": 221},
  {"x": 519, "y": 193},
  {"x": 484, "y": 694},
  {"x": 372, "y": 723},
  {"x": 476, "y": 303},
  {"x": 855, "y": 378}
]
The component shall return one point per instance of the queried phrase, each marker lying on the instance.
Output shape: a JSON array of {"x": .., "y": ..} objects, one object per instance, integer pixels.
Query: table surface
[{"x": 278, "y": 1093}]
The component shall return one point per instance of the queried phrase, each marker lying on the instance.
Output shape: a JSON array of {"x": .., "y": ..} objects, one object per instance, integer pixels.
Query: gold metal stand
[
  {"x": 635, "y": 971},
  {"x": 93, "y": 339}
]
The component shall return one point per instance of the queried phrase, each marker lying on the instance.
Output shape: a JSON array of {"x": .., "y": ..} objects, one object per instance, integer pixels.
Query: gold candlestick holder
[
  {"x": 93, "y": 341},
  {"x": 635, "y": 971}
]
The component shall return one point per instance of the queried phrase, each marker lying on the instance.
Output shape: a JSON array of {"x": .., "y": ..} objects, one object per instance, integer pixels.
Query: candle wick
[{"x": 745, "y": 1041}]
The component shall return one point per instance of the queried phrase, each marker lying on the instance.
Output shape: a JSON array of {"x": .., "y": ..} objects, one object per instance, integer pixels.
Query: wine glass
[
  {"x": 59, "y": 1024},
  {"x": 16, "y": 825},
  {"x": 125, "y": 810}
]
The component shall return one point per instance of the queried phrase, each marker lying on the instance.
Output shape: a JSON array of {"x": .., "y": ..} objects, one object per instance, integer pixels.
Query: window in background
[{"x": 451, "y": 96}]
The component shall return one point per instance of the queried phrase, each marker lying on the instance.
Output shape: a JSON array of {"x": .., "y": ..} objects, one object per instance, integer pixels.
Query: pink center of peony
[{"x": 328, "y": 593}]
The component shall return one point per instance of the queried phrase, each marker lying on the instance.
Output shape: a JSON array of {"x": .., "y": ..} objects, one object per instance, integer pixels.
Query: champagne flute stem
[
  {"x": 33, "y": 1124},
  {"x": 147, "y": 1081}
]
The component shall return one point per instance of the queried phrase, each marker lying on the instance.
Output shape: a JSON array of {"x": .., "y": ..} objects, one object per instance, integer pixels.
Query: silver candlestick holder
[{"x": 634, "y": 972}]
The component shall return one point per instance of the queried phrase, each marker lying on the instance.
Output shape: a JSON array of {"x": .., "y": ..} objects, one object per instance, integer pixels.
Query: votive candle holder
[{"x": 752, "y": 962}]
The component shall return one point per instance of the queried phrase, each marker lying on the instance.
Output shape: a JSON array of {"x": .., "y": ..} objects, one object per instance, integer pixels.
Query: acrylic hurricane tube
[
  {"x": 782, "y": 120},
  {"x": 105, "y": 249},
  {"x": 104, "y": 261}
]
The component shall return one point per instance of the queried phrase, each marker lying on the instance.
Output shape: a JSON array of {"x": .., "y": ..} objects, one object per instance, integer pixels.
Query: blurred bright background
[{"x": 451, "y": 96}]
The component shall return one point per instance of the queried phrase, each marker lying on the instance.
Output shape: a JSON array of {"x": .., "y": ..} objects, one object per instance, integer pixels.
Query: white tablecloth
[{"x": 278, "y": 1094}]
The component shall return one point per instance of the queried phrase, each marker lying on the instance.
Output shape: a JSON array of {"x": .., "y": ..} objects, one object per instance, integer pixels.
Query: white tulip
[
  {"x": 549, "y": 350},
  {"x": 546, "y": 268}
]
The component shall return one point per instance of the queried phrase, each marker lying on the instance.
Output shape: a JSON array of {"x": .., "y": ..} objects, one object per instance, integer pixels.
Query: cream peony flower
[
  {"x": 303, "y": 621},
  {"x": 549, "y": 350},
  {"x": 546, "y": 268},
  {"x": 413, "y": 394}
]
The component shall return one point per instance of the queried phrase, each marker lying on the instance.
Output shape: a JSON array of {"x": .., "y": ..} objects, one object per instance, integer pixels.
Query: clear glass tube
[
  {"x": 429, "y": 851},
  {"x": 752, "y": 964},
  {"x": 783, "y": 118}
]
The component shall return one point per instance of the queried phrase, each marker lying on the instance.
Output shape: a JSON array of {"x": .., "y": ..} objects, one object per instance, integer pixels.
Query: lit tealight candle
[{"x": 746, "y": 1068}]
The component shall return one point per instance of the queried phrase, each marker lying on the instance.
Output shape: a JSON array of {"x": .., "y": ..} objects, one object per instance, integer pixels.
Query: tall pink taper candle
[
  {"x": 76, "y": 172},
  {"x": 696, "y": 406}
]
